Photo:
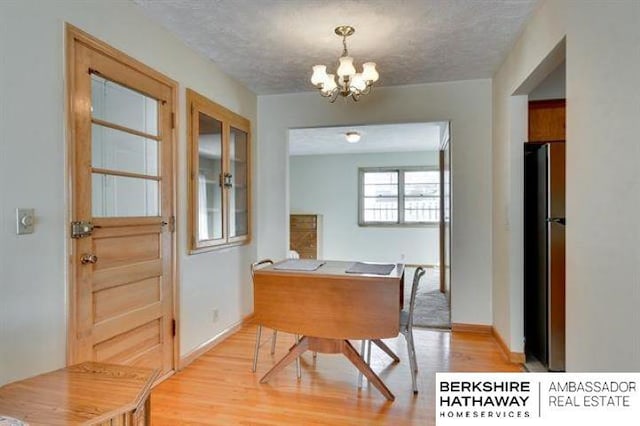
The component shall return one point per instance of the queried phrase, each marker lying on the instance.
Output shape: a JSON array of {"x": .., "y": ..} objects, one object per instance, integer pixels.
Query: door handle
[{"x": 88, "y": 258}]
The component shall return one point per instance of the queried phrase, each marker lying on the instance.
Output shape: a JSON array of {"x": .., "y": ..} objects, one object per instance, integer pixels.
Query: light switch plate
[{"x": 25, "y": 219}]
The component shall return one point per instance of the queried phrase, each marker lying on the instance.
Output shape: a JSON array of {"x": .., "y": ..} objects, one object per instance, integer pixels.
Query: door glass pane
[
  {"x": 119, "y": 105},
  {"x": 116, "y": 150},
  {"x": 119, "y": 196},
  {"x": 238, "y": 196},
  {"x": 208, "y": 184}
]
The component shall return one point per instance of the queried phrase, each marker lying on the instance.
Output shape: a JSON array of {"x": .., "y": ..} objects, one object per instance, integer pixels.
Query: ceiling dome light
[
  {"x": 352, "y": 137},
  {"x": 349, "y": 81}
]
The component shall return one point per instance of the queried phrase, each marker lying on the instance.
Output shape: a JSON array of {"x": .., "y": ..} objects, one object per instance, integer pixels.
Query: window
[
  {"x": 399, "y": 196},
  {"x": 220, "y": 175}
]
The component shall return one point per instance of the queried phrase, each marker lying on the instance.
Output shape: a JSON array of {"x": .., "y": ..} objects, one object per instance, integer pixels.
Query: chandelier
[{"x": 346, "y": 81}]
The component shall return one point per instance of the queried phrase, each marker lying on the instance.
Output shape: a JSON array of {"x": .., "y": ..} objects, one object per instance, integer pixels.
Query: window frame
[
  {"x": 401, "y": 196},
  {"x": 197, "y": 104}
]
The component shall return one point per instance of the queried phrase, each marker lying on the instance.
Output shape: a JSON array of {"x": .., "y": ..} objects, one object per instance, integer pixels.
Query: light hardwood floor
[{"x": 219, "y": 388}]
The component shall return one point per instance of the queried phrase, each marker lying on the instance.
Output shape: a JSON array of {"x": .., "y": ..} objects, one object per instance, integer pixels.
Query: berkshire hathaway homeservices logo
[
  {"x": 537, "y": 398},
  {"x": 490, "y": 399}
]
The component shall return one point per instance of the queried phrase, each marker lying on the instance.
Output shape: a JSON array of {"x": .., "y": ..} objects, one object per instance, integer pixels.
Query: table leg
[
  {"x": 324, "y": 345},
  {"x": 293, "y": 354},
  {"x": 379, "y": 343},
  {"x": 352, "y": 355}
]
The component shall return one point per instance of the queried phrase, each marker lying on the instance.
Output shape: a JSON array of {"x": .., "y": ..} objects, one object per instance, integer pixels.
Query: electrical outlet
[{"x": 214, "y": 315}]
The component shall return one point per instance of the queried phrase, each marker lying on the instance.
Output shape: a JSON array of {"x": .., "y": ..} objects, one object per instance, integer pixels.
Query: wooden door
[{"x": 121, "y": 124}]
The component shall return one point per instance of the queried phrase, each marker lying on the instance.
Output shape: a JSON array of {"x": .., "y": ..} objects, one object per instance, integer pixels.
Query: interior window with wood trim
[
  {"x": 220, "y": 175},
  {"x": 398, "y": 196}
]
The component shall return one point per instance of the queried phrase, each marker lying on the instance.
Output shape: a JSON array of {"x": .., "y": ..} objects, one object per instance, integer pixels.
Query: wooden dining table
[{"x": 328, "y": 307}]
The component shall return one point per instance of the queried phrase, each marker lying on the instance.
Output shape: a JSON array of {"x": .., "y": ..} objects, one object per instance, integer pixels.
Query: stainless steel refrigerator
[{"x": 544, "y": 252}]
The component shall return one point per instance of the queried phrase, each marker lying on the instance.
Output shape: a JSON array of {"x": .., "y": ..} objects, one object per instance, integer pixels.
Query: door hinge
[
  {"x": 173, "y": 328},
  {"x": 173, "y": 120},
  {"x": 81, "y": 229}
]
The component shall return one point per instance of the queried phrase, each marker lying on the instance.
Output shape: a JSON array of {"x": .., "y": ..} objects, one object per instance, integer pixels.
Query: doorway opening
[
  {"x": 377, "y": 193},
  {"x": 544, "y": 224}
]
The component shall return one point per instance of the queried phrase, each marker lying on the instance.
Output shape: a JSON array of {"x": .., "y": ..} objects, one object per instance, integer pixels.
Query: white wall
[
  {"x": 328, "y": 185},
  {"x": 33, "y": 174},
  {"x": 603, "y": 203},
  {"x": 552, "y": 87},
  {"x": 466, "y": 103}
]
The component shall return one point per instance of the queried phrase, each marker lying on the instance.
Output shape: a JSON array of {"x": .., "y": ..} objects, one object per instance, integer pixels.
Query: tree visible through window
[{"x": 399, "y": 196}]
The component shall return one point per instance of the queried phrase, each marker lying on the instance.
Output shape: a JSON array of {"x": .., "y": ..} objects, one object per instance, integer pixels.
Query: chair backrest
[
  {"x": 414, "y": 290},
  {"x": 258, "y": 264},
  {"x": 293, "y": 255}
]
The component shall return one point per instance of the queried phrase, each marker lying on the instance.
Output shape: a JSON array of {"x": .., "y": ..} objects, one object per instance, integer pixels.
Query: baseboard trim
[
  {"x": 513, "y": 357},
  {"x": 471, "y": 328},
  {"x": 211, "y": 343}
]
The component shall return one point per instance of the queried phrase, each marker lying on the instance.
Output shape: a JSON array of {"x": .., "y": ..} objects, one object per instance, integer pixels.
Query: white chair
[
  {"x": 292, "y": 254},
  {"x": 254, "y": 267},
  {"x": 406, "y": 329}
]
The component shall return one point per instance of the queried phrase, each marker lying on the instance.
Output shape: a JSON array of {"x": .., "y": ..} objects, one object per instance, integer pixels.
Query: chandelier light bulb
[
  {"x": 319, "y": 74},
  {"x": 329, "y": 84},
  {"x": 369, "y": 72},
  {"x": 346, "y": 68},
  {"x": 352, "y": 137},
  {"x": 346, "y": 81},
  {"x": 358, "y": 83}
]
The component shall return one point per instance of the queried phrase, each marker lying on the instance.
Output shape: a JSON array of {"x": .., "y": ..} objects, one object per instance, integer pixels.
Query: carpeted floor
[{"x": 432, "y": 307}]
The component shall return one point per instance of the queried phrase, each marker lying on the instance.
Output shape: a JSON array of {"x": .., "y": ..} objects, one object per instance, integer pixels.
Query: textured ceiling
[
  {"x": 271, "y": 45},
  {"x": 375, "y": 138}
]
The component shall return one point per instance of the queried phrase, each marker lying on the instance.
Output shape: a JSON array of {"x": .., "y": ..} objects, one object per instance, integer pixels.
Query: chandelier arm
[{"x": 355, "y": 97}]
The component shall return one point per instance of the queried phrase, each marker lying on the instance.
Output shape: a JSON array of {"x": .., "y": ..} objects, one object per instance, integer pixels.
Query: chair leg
[
  {"x": 413, "y": 347},
  {"x": 413, "y": 365},
  {"x": 255, "y": 352},
  {"x": 273, "y": 342},
  {"x": 363, "y": 348},
  {"x": 298, "y": 372}
]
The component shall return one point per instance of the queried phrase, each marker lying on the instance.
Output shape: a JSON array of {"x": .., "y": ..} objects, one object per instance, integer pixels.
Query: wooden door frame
[
  {"x": 75, "y": 35},
  {"x": 445, "y": 150}
]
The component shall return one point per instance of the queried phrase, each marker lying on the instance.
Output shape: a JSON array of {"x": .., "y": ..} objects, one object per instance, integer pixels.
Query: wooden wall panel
[
  {"x": 547, "y": 120},
  {"x": 124, "y": 347},
  {"x": 121, "y": 299}
]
